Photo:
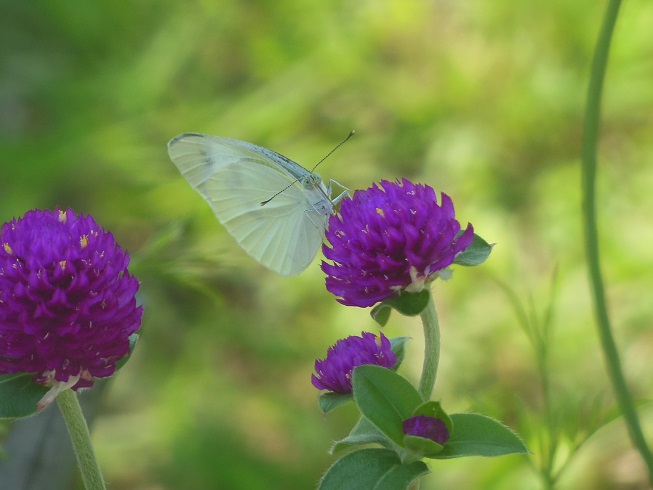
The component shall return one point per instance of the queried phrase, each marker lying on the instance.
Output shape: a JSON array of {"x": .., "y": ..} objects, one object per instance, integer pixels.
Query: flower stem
[
  {"x": 431, "y": 349},
  {"x": 590, "y": 140},
  {"x": 81, "y": 440}
]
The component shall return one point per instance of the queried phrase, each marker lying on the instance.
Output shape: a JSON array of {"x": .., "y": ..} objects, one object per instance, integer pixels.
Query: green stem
[
  {"x": 431, "y": 349},
  {"x": 81, "y": 439},
  {"x": 590, "y": 139}
]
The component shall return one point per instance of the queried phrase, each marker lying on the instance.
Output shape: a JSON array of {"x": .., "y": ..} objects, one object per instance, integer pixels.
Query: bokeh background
[{"x": 482, "y": 100}]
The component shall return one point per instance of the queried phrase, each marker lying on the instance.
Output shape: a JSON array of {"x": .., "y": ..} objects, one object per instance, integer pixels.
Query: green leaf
[
  {"x": 402, "y": 476},
  {"x": 409, "y": 304},
  {"x": 372, "y": 468},
  {"x": 362, "y": 433},
  {"x": 19, "y": 395},
  {"x": 398, "y": 346},
  {"x": 330, "y": 400},
  {"x": 381, "y": 314},
  {"x": 422, "y": 447},
  {"x": 478, "y": 435},
  {"x": 385, "y": 398},
  {"x": 133, "y": 338},
  {"x": 475, "y": 254}
]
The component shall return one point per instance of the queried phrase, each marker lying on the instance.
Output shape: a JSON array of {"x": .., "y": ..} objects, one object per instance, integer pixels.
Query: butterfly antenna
[
  {"x": 263, "y": 203},
  {"x": 352, "y": 133}
]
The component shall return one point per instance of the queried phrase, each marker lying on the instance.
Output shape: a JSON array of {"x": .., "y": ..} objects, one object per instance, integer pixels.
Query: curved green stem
[
  {"x": 431, "y": 349},
  {"x": 81, "y": 440},
  {"x": 590, "y": 139}
]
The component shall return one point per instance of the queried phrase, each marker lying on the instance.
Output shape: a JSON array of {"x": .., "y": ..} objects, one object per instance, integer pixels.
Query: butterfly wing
[
  {"x": 198, "y": 156},
  {"x": 284, "y": 234},
  {"x": 235, "y": 177}
]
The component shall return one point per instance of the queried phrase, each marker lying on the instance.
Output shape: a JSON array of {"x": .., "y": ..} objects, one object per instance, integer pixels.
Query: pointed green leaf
[
  {"x": 409, "y": 304},
  {"x": 372, "y": 468},
  {"x": 398, "y": 346},
  {"x": 475, "y": 254},
  {"x": 402, "y": 476},
  {"x": 422, "y": 447},
  {"x": 19, "y": 395},
  {"x": 133, "y": 339},
  {"x": 381, "y": 314},
  {"x": 330, "y": 400},
  {"x": 478, "y": 435},
  {"x": 362, "y": 433},
  {"x": 385, "y": 398}
]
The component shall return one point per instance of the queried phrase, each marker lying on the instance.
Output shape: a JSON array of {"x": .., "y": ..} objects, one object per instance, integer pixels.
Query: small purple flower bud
[
  {"x": 426, "y": 427},
  {"x": 334, "y": 372},
  {"x": 391, "y": 238},
  {"x": 67, "y": 300}
]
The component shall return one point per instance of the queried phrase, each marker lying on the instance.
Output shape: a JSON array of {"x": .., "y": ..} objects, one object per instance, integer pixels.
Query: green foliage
[
  {"x": 133, "y": 339},
  {"x": 363, "y": 433},
  {"x": 19, "y": 395},
  {"x": 398, "y": 346},
  {"x": 330, "y": 400},
  {"x": 475, "y": 254},
  {"x": 379, "y": 469},
  {"x": 477, "y": 435},
  {"x": 385, "y": 398},
  {"x": 409, "y": 304}
]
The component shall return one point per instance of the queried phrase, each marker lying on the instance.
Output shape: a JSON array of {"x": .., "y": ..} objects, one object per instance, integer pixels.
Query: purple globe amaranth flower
[
  {"x": 426, "y": 427},
  {"x": 388, "y": 239},
  {"x": 334, "y": 372},
  {"x": 67, "y": 300}
]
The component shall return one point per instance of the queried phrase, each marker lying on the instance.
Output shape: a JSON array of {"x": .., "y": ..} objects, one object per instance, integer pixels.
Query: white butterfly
[{"x": 275, "y": 209}]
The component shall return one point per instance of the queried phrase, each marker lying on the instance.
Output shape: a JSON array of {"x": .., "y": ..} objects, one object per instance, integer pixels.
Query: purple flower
[
  {"x": 334, "y": 372},
  {"x": 426, "y": 427},
  {"x": 67, "y": 300},
  {"x": 388, "y": 239}
]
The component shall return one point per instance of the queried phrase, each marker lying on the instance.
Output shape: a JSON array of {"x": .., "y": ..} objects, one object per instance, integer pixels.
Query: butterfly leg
[
  {"x": 312, "y": 213},
  {"x": 340, "y": 196}
]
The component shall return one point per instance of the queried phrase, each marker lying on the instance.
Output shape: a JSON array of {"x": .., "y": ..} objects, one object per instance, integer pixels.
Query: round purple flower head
[
  {"x": 391, "y": 238},
  {"x": 426, "y": 427},
  {"x": 67, "y": 300},
  {"x": 334, "y": 372}
]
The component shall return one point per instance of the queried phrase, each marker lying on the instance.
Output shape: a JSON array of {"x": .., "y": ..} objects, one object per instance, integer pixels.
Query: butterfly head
[{"x": 311, "y": 181}]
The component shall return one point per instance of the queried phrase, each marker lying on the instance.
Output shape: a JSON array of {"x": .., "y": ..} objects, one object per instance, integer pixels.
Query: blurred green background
[{"x": 482, "y": 100}]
